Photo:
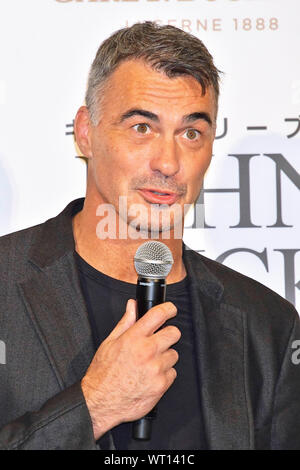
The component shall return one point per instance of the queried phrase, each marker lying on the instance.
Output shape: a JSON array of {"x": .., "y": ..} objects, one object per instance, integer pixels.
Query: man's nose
[{"x": 166, "y": 157}]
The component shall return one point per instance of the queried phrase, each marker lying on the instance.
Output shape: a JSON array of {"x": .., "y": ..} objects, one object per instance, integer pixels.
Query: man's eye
[
  {"x": 192, "y": 134},
  {"x": 142, "y": 128}
]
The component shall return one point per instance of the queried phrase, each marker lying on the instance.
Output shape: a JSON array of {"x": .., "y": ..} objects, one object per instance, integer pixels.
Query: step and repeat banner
[{"x": 251, "y": 191}]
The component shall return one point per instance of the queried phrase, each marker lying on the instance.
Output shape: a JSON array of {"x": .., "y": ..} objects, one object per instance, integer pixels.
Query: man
[{"x": 216, "y": 358}]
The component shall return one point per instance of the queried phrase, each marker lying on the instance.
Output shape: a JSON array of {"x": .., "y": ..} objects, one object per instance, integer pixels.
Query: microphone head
[{"x": 153, "y": 259}]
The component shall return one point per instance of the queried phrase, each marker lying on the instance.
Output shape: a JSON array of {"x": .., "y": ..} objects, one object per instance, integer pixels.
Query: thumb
[{"x": 128, "y": 319}]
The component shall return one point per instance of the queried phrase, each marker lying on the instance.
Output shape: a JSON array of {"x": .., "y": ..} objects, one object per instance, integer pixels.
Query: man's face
[{"x": 155, "y": 133}]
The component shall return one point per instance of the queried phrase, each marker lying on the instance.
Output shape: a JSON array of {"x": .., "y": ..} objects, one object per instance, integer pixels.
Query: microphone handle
[{"x": 149, "y": 292}]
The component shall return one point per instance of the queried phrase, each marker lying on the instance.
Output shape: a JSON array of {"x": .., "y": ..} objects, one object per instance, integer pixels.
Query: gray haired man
[{"x": 216, "y": 357}]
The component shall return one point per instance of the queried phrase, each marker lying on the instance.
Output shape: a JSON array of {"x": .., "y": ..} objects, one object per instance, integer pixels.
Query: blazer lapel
[
  {"x": 220, "y": 348},
  {"x": 56, "y": 307},
  {"x": 53, "y": 298}
]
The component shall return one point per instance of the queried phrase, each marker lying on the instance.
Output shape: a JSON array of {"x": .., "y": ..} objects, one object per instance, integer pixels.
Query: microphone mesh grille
[{"x": 153, "y": 259}]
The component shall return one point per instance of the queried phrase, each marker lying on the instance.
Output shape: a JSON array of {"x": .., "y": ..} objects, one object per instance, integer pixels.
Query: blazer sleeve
[
  {"x": 63, "y": 422},
  {"x": 285, "y": 431}
]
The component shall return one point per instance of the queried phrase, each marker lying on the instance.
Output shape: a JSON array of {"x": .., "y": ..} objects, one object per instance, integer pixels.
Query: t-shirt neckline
[{"x": 173, "y": 290}]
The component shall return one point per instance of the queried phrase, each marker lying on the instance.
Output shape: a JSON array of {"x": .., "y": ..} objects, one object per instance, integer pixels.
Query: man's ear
[{"x": 82, "y": 126}]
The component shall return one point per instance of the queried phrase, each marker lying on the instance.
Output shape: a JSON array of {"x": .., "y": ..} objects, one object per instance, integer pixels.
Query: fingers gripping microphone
[{"x": 153, "y": 262}]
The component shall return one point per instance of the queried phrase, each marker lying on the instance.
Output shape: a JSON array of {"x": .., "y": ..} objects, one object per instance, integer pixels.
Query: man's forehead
[
  {"x": 135, "y": 82},
  {"x": 131, "y": 72}
]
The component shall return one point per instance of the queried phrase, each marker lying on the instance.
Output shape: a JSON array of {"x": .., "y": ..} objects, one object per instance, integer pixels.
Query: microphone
[{"x": 153, "y": 262}]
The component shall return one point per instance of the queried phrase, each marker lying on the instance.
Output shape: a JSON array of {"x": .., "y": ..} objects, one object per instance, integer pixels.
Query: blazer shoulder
[
  {"x": 21, "y": 239},
  {"x": 14, "y": 252},
  {"x": 42, "y": 244},
  {"x": 248, "y": 294}
]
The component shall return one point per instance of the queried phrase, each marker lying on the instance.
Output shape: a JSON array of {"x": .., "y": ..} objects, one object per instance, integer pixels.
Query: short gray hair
[{"x": 164, "y": 48}]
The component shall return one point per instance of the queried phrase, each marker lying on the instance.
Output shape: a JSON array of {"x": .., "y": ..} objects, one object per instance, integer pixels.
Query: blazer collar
[
  {"x": 55, "y": 238},
  {"x": 209, "y": 287}
]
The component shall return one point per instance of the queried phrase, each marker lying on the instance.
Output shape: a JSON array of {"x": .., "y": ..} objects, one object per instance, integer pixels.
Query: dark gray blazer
[{"x": 250, "y": 386}]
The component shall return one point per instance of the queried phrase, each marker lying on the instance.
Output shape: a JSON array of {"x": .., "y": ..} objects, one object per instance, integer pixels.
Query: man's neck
[{"x": 114, "y": 257}]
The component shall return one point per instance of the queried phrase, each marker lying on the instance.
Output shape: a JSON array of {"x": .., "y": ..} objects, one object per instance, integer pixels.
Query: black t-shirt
[{"x": 178, "y": 424}]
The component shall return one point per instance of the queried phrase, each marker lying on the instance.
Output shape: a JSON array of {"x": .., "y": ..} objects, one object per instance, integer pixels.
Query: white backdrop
[{"x": 47, "y": 47}]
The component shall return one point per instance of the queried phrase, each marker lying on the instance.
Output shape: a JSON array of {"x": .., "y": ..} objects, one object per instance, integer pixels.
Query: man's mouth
[
  {"x": 161, "y": 194},
  {"x": 158, "y": 196}
]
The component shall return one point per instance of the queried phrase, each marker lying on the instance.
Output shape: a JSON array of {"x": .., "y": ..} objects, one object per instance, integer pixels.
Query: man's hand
[{"x": 132, "y": 368}]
